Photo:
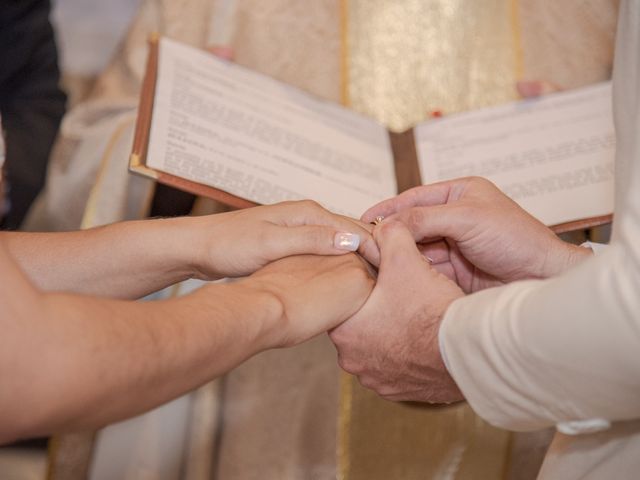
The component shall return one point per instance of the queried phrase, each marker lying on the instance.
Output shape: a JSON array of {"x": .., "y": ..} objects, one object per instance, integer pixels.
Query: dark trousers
[{"x": 31, "y": 101}]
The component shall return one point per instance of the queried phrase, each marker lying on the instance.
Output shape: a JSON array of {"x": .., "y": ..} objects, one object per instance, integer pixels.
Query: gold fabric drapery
[
  {"x": 405, "y": 59},
  {"x": 411, "y": 57}
]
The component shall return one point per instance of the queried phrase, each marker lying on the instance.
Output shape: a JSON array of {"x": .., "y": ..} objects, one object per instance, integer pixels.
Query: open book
[{"x": 217, "y": 129}]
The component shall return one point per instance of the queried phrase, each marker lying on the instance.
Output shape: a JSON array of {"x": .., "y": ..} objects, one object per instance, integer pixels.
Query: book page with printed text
[
  {"x": 553, "y": 155},
  {"x": 221, "y": 125}
]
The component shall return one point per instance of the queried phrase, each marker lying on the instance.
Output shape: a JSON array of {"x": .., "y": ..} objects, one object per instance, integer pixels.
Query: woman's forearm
[
  {"x": 71, "y": 361},
  {"x": 99, "y": 361},
  {"x": 132, "y": 259},
  {"x": 125, "y": 260}
]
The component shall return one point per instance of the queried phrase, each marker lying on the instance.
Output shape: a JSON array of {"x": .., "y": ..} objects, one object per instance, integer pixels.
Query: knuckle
[
  {"x": 310, "y": 210},
  {"x": 265, "y": 236},
  {"x": 354, "y": 267},
  {"x": 384, "y": 387},
  {"x": 356, "y": 271},
  {"x": 340, "y": 339},
  {"x": 415, "y": 219},
  {"x": 370, "y": 383},
  {"x": 415, "y": 193},
  {"x": 344, "y": 337},
  {"x": 287, "y": 204},
  {"x": 387, "y": 391},
  {"x": 311, "y": 205},
  {"x": 368, "y": 246},
  {"x": 482, "y": 182},
  {"x": 349, "y": 365}
]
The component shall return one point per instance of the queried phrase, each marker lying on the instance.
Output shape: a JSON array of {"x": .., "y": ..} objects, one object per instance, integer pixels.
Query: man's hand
[
  {"x": 313, "y": 294},
  {"x": 391, "y": 344},
  {"x": 476, "y": 235},
  {"x": 238, "y": 243}
]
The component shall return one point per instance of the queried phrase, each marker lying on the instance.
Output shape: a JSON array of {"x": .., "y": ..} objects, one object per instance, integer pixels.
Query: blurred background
[{"x": 88, "y": 32}]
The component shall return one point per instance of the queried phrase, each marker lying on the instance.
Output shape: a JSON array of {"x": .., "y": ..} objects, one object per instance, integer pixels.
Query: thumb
[
  {"x": 399, "y": 255},
  {"x": 312, "y": 239},
  {"x": 434, "y": 221}
]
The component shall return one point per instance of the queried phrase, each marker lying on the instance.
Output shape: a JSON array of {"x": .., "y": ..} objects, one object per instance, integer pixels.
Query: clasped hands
[{"x": 436, "y": 244}]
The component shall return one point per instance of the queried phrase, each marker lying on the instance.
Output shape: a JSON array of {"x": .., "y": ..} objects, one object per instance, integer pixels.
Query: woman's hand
[
  {"x": 133, "y": 259},
  {"x": 310, "y": 295},
  {"x": 238, "y": 243}
]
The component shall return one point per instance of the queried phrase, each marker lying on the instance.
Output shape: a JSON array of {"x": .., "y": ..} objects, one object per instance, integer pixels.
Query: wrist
[
  {"x": 174, "y": 244},
  {"x": 187, "y": 241},
  {"x": 268, "y": 311},
  {"x": 565, "y": 256}
]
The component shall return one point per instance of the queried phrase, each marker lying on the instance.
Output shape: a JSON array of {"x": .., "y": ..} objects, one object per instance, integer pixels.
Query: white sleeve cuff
[
  {"x": 581, "y": 427},
  {"x": 597, "y": 248},
  {"x": 443, "y": 352}
]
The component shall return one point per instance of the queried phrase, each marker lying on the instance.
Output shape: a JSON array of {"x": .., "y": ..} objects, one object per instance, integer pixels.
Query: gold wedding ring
[{"x": 378, "y": 220}]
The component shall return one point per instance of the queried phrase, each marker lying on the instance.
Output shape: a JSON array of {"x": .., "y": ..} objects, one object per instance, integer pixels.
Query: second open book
[{"x": 220, "y": 130}]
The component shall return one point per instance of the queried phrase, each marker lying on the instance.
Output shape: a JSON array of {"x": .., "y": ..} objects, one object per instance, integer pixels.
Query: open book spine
[
  {"x": 138, "y": 158},
  {"x": 405, "y": 158}
]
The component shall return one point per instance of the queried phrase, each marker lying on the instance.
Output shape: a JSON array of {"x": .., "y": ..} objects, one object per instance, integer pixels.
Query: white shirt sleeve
[
  {"x": 538, "y": 353},
  {"x": 597, "y": 248},
  {"x": 573, "y": 427}
]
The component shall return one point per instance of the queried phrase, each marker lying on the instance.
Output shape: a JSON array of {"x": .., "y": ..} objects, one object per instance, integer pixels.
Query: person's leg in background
[{"x": 31, "y": 101}]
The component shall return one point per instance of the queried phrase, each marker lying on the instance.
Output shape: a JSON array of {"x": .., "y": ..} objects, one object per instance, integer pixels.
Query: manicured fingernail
[{"x": 346, "y": 241}]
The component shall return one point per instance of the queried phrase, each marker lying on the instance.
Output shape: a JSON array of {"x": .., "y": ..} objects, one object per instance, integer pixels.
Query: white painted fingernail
[{"x": 346, "y": 241}]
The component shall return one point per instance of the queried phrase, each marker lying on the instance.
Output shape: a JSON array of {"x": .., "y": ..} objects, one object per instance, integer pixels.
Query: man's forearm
[
  {"x": 100, "y": 361},
  {"x": 125, "y": 260}
]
